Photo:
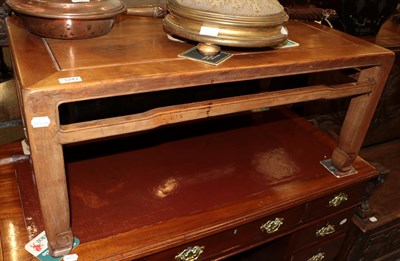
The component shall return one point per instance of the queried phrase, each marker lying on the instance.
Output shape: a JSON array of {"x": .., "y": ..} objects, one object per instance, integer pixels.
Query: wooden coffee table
[{"x": 136, "y": 57}]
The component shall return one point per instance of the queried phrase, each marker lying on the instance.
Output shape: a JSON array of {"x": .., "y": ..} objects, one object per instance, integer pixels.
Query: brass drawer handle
[
  {"x": 272, "y": 225},
  {"x": 317, "y": 257},
  {"x": 190, "y": 253},
  {"x": 338, "y": 199},
  {"x": 329, "y": 229}
]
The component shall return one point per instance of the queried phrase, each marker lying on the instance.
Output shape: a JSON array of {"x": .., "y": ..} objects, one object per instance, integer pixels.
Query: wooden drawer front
[
  {"x": 236, "y": 239},
  {"x": 322, "y": 229},
  {"x": 322, "y": 252},
  {"x": 334, "y": 202}
]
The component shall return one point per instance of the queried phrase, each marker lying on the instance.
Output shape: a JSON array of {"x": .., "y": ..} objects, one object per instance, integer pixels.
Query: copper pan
[{"x": 68, "y": 19}]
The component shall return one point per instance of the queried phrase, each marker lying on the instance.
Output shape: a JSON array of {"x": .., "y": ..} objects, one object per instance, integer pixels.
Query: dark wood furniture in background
[
  {"x": 137, "y": 64},
  {"x": 376, "y": 239},
  {"x": 377, "y": 235},
  {"x": 376, "y": 230}
]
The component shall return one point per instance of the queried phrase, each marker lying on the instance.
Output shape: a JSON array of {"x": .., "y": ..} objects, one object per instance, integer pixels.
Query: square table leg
[
  {"x": 48, "y": 163},
  {"x": 359, "y": 116}
]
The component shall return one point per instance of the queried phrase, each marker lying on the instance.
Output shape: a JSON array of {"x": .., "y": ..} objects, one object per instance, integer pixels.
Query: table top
[
  {"x": 139, "y": 54},
  {"x": 137, "y": 57}
]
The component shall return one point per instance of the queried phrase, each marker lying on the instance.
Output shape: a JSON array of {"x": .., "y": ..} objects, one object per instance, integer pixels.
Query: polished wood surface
[
  {"x": 136, "y": 57},
  {"x": 13, "y": 232},
  {"x": 194, "y": 182}
]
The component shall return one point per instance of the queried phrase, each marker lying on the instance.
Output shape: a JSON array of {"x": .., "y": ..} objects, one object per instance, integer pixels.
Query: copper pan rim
[
  {"x": 67, "y": 29},
  {"x": 64, "y": 19},
  {"x": 67, "y": 12}
]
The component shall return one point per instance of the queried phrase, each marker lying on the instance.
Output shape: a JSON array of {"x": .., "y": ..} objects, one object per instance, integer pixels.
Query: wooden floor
[{"x": 13, "y": 232}]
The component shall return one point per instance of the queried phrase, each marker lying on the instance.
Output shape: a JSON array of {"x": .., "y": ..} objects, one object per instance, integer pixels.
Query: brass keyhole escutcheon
[
  {"x": 272, "y": 225},
  {"x": 338, "y": 199},
  {"x": 327, "y": 230},
  {"x": 190, "y": 253},
  {"x": 317, "y": 257}
]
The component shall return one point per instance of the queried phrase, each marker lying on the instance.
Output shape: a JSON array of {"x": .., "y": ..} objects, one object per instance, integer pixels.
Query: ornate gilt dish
[{"x": 245, "y": 23}]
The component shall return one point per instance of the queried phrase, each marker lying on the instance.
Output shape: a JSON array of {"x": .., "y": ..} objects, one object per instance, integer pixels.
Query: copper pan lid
[{"x": 76, "y": 9}]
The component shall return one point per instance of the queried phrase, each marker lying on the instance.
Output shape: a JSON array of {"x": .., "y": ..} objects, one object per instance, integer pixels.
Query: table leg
[
  {"x": 358, "y": 117},
  {"x": 48, "y": 164}
]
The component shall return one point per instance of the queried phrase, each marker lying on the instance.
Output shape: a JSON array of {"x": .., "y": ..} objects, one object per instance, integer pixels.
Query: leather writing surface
[{"x": 183, "y": 170}]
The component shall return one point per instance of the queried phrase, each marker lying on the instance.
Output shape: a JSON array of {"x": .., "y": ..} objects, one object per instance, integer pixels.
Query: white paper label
[
  {"x": 72, "y": 257},
  {"x": 70, "y": 79},
  {"x": 343, "y": 221},
  {"x": 37, "y": 245},
  {"x": 25, "y": 147},
  {"x": 373, "y": 219},
  {"x": 210, "y": 31},
  {"x": 40, "y": 122}
]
